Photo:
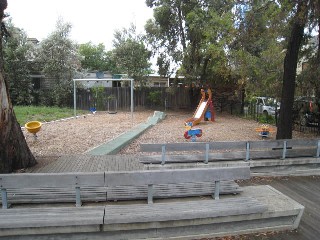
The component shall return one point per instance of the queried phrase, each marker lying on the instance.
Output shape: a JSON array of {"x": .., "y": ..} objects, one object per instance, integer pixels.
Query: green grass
[{"x": 26, "y": 114}]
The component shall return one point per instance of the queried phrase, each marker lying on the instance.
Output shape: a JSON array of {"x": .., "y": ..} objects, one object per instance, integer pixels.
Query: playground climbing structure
[{"x": 205, "y": 109}]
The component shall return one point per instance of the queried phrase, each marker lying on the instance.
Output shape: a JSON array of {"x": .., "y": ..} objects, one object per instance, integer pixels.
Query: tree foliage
[
  {"x": 257, "y": 53},
  {"x": 195, "y": 35},
  {"x": 94, "y": 57},
  {"x": 17, "y": 53},
  {"x": 130, "y": 54},
  {"x": 60, "y": 61}
]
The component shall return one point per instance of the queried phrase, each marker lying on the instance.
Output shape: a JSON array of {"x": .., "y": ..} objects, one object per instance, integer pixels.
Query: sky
[{"x": 91, "y": 20}]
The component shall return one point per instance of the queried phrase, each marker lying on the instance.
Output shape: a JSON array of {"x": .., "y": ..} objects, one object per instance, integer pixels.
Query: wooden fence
[
  {"x": 165, "y": 99},
  {"x": 169, "y": 99}
]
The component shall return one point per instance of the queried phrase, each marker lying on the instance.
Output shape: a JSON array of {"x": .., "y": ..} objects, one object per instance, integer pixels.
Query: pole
[
  {"x": 132, "y": 102},
  {"x": 74, "y": 98}
]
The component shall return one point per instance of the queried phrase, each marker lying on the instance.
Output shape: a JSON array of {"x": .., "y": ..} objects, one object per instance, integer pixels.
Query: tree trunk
[
  {"x": 14, "y": 151},
  {"x": 289, "y": 76}
]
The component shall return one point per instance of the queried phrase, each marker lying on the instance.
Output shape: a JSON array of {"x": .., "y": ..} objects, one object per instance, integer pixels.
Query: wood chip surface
[{"x": 78, "y": 135}]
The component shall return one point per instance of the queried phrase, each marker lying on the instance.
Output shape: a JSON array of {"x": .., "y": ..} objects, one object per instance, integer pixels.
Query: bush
[
  {"x": 155, "y": 98},
  {"x": 266, "y": 119}
]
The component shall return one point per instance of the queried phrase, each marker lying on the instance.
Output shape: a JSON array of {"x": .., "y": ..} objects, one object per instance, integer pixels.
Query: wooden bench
[
  {"x": 50, "y": 220},
  {"x": 51, "y": 187},
  {"x": 219, "y": 151},
  {"x": 169, "y": 176},
  {"x": 130, "y": 216},
  {"x": 122, "y": 217}
]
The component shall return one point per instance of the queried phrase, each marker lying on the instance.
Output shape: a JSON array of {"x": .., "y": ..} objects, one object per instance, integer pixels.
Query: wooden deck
[{"x": 306, "y": 191}]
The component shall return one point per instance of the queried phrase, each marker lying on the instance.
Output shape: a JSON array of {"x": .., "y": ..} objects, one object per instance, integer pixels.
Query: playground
[{"x": 78, "y": 135}]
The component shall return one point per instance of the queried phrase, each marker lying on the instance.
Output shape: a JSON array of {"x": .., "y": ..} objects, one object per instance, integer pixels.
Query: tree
[
  {"x": 194, "y": 35},
  {"x": 257, "y": 50},
  {"x": 60, "y": 61},
  {"x": 94, "y": 57},
  {"x": 299, "y": 21},
  {"x": 14, "y": 151},
  {"x": 308, "y": 79},
  {"x": 17, "y": 53},
  {"x": 130, "y": 54}
]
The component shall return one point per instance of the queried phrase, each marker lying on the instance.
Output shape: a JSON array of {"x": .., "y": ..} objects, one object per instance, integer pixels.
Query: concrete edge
[{"x": 115, "y": 145}]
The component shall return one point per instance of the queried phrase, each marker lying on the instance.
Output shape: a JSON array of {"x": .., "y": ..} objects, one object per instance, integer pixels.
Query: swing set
[{"x": 93, "y": 108}]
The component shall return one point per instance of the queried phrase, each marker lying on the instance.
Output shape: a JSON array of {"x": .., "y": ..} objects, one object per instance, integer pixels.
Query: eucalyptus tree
[
  {"x": 60, "y": 61},
  {"x": 14, "y": 151},
  {"x": 257, "y": 52},
  {"x": 130, "y": 55},
  {"x": 192, "y": 34},
  {"x": 299, "y": 20},
  {"x": 18, "y": 54}
]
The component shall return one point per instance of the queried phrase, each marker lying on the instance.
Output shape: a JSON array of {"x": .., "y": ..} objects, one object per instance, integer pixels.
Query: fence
[
  {"x": 250, "y": 111},
  {"x": 159, "y": 98},
  {"x": 173, "y": 99}
]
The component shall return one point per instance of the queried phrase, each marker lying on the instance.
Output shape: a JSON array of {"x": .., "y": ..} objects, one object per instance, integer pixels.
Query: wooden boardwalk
[
  {"x": 90, "y": 163},
  {"x": 306, "y": 191}
]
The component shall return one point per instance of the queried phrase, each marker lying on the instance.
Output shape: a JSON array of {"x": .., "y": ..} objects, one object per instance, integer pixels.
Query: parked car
[
  {"x": 267, "y": 105},
  {"x": 306, "y": 111}
]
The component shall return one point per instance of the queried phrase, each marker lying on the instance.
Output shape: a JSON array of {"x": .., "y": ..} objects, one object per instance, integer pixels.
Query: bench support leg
[
  {"x": 247, "y": 151},
  {"x": 4, "y": 198},
  {"x": 318, "y": 149},
  {"x": 207, "y": 154},
  {"x": 150, "y": 193},
  {"x": 284, "y": 151},
  {"x": 78, "y": 197},
  {"x": 216, "y": 189},
  {"x": 163, "y": 154}
]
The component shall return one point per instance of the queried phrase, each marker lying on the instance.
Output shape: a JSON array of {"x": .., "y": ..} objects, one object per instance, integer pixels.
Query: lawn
[{"x": 43, "y": 114}]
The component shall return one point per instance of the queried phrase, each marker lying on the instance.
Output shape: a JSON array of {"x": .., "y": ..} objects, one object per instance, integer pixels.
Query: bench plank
[
  {"x": 140, "y": 213},
  {"x": 172, "y": 190},
  {"x": 191, "y": 146},
  {"x": 50, "y": 217},
  {"x": 52, "y": 195},
  {"x": 168, "y": 176},
  {"x": 38, "y": 180},
  {"x": 49, "y": 180}
]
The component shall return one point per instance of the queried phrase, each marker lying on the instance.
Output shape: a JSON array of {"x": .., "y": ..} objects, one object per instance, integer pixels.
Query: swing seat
[{"x": 93, "y": 110}]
